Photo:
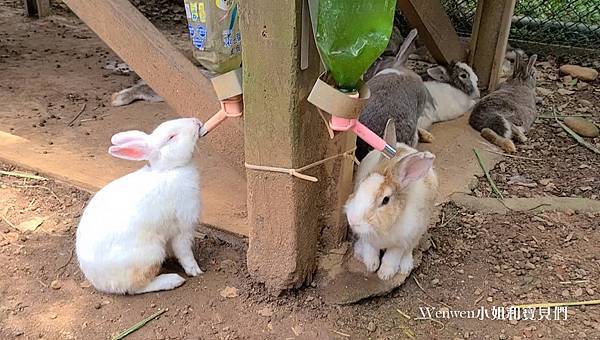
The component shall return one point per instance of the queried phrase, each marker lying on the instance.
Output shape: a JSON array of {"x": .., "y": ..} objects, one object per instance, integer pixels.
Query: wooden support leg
[
  {"x": 282, "y": 130},
  {"x": 39, "y": 8},
  {"x": 130, "y": 35},
  {"x": 490, "y": 38},
  {"x": 435, "y": 28}
]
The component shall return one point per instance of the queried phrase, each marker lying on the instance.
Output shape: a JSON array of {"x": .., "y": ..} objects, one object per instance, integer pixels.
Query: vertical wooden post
[
  {"x": 435, "y": 28},
  {"x": 282, "y": 130},
  {"x": 489, "y": 39},
  {"x": 39, "y": 8}
]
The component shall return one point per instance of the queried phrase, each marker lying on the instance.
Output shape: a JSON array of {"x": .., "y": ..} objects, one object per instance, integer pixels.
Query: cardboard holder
[
  {"x": 228, "y": 87},
  {"x": 345, "y": 108}
]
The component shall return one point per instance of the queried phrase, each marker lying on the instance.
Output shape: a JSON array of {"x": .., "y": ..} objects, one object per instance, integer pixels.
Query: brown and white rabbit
[
  {"x": 391, "y": 206},
  {"x": 509, "y": 112},
  {"x": 397, "y": 93}
]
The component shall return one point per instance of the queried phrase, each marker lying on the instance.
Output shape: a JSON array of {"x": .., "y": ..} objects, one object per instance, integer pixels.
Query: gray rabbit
[
  {"x": 397, "y": 93},
  {"x": 509, "y": 112}
]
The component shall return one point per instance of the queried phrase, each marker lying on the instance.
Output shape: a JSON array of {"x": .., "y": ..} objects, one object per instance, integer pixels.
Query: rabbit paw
[
  {"x": 406, "y": 264},
  {"x": 367, "y": 255},
  {"x": 371, "y": 262},
  {"x": 387, "y": 271},
  {"x": 193, "y": 269},
  {"x": 425, "y": 136}
]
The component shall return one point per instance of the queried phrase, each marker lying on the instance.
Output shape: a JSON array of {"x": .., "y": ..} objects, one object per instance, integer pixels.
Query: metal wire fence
[{"x": 558, "y": 27}]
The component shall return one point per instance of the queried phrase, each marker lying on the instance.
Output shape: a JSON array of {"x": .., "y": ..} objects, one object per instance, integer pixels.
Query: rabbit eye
[
  {"x": 463, "y": 76},
  {"x": 171, "y": 137},
  {"x": 386, "y": 200}
]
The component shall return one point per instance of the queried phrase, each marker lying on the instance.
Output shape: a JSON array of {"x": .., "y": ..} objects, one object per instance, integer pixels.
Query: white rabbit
[
  {"x": 454, "y": 91},
  {"x": 132, "y": 224},
  {"x": 391, "y": 206}
]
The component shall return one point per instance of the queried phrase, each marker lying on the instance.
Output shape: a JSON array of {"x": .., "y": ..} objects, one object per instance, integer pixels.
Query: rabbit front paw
[
  {"x": 406, "y": 264},
  {"x": 192, "y": 269},
  {"x": 368, "y": 255},
  {"x": 387, "y": 271}
]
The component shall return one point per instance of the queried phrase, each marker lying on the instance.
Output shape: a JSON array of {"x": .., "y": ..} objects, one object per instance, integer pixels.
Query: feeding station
[
  {"x": 348, "y": 50},
  {"x": 288, "y": 216}
]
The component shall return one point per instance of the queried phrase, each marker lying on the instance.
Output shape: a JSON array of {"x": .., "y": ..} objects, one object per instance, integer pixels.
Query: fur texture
[
  {"x": 397, "y": 93},
  {"x": 454, "y": 91},
  {"x": 139, "y": 91},
  {"x": 132, "y": 224},
  {"x": 509, "y": 112},
  {"x": 391, "y": 207}
]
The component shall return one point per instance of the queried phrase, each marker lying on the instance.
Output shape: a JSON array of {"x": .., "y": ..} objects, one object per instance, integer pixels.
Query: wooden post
[
  {"x": 435, "y": 28},
  {"x": 490, "y": 38},
  {"x": 39, "y": 8},
  {"x": 282, "y": 130},
  {"x": 147, "y": 51}
]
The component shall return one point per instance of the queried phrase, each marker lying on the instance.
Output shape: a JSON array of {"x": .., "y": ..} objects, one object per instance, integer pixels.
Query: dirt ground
[{"x": 479, "y": 260}]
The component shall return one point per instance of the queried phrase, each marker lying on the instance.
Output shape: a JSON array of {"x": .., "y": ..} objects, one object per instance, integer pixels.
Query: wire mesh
[{"x": 542, "y": 26}]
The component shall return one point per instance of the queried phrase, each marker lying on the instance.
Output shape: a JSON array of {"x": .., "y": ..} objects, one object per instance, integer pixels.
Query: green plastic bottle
[{"x": 351, "y": 34}]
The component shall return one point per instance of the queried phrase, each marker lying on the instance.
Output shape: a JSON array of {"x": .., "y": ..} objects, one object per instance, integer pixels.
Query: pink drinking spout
[
  {"x": 363, "y": 132},
  {"x": 344, "y": 109},
  {"x": 230, "y": 108}
]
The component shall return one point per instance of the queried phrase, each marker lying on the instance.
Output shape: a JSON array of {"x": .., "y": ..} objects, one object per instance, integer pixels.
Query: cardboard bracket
[
  {"x": 345, "y": 108},
  {"x": 228, "y": 88}
]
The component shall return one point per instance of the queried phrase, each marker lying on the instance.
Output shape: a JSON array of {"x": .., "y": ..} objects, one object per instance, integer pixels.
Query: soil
[
  {"x": 479, "y": 260},
  {"x": 557, "y": 164}
]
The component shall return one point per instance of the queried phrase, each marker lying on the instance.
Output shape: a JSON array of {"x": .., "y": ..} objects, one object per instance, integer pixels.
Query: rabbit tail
[{"x": 495, "y": 129}]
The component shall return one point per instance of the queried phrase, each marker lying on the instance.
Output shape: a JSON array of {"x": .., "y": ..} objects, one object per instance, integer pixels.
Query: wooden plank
[
  {"x": 282, "y": 130},
  {"x": 489, "y": 39},
  {"x": 435, "y": 29},
  {"x": 141, "y": 45},
  {"x": 39, "y": 8},
  {"x": 219, "y": 208}
]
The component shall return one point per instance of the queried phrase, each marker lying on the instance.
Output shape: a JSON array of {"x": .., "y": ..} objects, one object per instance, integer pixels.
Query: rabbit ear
[
  {"x": 128, "y": 136},
  {"x": 403, "y": 53},
  {"x": 439, "y": 73},
  {"x": 389, "y": 135},
  {"x": 531, "y": 64},
  {"x": 412, "y": 168},
  {"x": 136, "y": 150}
]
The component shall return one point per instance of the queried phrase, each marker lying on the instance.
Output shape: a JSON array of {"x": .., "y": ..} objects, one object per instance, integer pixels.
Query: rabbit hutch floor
[{"x": 482, "y": 258}]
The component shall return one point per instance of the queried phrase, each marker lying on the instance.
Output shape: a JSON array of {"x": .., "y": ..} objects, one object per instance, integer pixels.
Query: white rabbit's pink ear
[
  {"x": 136, "y": 150},
  {"x": 412, "y": 168},
  {"x": 128, "y": 136}
]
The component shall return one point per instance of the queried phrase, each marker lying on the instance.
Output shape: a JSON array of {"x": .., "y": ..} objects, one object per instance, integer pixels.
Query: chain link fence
[{"x": 563, "y": 28}]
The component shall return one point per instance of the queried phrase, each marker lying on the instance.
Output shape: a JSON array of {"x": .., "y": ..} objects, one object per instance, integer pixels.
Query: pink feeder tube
[
  {"x": 230, "y": 108},
  {"x": 363, "y": 132}
]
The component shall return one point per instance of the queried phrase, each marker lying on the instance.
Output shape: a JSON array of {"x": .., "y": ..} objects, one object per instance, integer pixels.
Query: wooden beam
[
  {"x": 435, "y": 29},
  {"x": 489, "y": 39},
  {"x": 282, "y": 130},
  {"x": 147, "y": 51},
  {"x": 39, "y": 8}
]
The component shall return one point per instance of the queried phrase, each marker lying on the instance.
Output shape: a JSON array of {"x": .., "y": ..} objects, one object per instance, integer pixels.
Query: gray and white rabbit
[
  {"x": 509, "y": 112},
  {"x": 132, "y": 224},
  {"x": 397, "y": 93},
  {"x": 139, "y": 91},
  {"x": 454, "y": 91}
]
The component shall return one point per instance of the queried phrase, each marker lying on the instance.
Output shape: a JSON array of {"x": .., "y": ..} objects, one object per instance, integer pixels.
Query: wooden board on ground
[
  {"x": 435, "y": 29},
  {"x": 224, "y": 201}
]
